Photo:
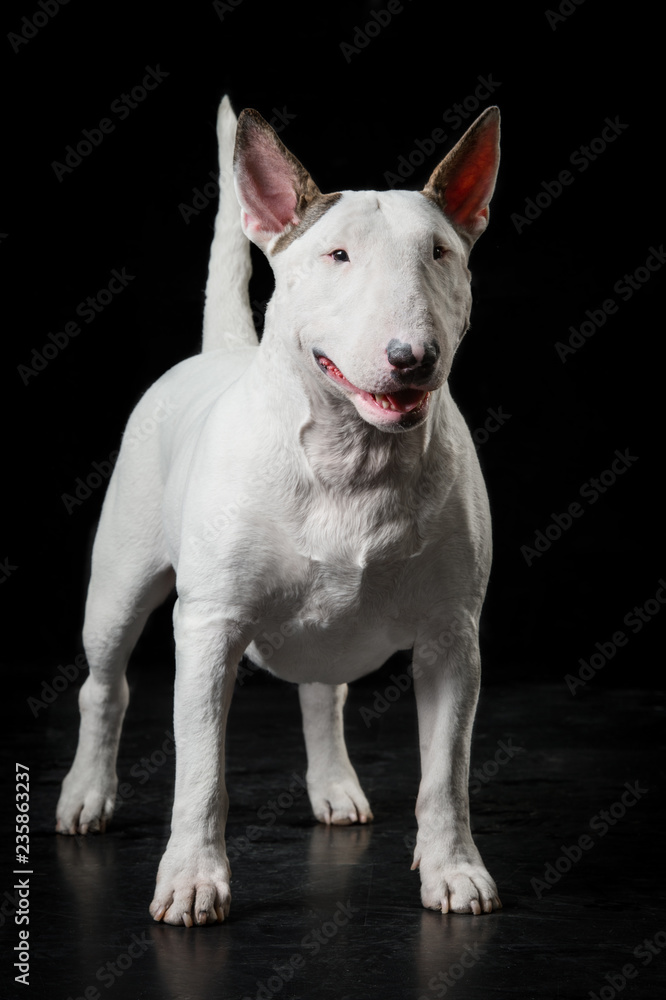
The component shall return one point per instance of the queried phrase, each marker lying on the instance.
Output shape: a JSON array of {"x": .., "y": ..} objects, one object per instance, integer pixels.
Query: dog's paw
[
  {"x": 457, "y": 885},
  {"x": 86, "y": 803},
  {"x": 339, "y": 801},
  {"x": 192, "y": 887}
]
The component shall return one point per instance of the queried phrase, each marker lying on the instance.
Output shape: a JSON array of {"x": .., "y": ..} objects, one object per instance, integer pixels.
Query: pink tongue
[{"x": 406, "y": 399}]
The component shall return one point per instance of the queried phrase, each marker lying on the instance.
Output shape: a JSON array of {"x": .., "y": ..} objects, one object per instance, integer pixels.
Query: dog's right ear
[{"x": 273, "y": 188}]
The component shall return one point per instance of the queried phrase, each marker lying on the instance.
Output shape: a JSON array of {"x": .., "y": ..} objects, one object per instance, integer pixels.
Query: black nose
[{"x": 401, "y": 355}]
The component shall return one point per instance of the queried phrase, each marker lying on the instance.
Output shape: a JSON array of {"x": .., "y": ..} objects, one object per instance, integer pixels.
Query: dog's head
[{"x": 373, "y": 287}]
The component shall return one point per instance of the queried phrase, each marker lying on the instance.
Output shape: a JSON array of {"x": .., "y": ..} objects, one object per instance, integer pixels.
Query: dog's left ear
[
  {"x": 463, "y": 183},
  {"x": 273, "y": 188}
]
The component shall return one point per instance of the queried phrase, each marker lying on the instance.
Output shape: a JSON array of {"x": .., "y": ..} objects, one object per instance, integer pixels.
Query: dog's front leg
[
  {"x": 335, "y": 793},
  {"x": 193, "y": 877},
  {"x": 446, "y": 683}
]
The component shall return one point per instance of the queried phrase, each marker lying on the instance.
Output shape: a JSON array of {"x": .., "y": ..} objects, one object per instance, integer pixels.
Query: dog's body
[{"x": 318, "y": 520}]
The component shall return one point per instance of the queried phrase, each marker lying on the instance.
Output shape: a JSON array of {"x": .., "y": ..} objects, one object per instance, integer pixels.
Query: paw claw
[{"x": 157, "y": 912}]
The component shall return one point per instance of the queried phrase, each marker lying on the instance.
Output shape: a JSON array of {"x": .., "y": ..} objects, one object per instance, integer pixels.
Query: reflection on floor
[{"x": 565, "y": 812}]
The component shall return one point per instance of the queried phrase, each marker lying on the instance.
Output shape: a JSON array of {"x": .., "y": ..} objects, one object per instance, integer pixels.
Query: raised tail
[{"x": 227, "y": 320}]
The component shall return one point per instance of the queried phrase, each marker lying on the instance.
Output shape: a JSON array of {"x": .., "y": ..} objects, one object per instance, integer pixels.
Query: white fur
[
  {"x": 302, "y": 527},
  {"x": 227, "y": 316}
]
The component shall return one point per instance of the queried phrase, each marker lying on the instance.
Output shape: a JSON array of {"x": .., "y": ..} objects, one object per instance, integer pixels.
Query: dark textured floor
[{"x": 335, "y": 913}]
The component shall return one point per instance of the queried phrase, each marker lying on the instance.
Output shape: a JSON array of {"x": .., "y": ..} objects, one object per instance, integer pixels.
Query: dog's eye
[
  {"x": 439, "y": 252},
  {"x": 340, "y": 255}
]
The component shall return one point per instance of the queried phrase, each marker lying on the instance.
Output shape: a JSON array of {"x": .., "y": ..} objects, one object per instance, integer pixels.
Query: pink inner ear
[
  {"x": 268, "y": 188},
  {"x": 470, "y": 188}
]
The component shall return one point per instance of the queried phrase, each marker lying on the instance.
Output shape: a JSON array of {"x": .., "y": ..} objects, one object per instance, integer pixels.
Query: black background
[{"x": 353, "y": 117}]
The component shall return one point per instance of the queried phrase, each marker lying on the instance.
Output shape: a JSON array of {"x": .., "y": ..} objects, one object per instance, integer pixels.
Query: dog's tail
[{"x": 227, "y": 320}]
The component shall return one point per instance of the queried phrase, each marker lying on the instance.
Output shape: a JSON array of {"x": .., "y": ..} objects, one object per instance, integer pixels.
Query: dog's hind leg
[
  {"x": 335, "y": 793},
  {"x": 130, "y": 577}
]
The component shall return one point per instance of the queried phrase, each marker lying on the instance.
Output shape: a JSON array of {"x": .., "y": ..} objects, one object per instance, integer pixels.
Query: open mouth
[{"x": 399, "y": 401}]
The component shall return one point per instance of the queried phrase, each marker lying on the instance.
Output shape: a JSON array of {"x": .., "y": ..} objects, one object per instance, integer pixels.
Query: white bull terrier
[{"x": 318, "y": 503}]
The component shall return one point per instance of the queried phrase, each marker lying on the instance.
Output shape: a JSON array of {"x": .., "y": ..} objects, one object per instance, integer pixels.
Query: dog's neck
[{"x": 345, "y": 451}]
